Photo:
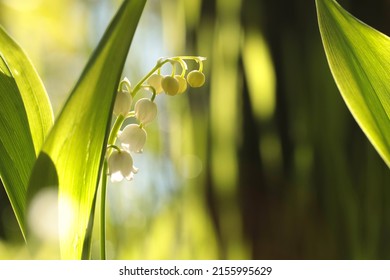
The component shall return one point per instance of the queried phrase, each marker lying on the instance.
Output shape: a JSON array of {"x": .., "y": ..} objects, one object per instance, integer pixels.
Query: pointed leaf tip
[
  {"x": 359, "y": 59},
  {"x": 76, "y": 143}
]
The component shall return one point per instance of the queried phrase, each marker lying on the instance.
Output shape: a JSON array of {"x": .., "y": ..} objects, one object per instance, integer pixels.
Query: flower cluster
[
  {"x": 177, "y": 84},
  {"x": 132, "y": 137}
]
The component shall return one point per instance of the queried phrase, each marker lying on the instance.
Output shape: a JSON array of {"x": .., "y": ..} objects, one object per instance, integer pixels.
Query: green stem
[
  {"x": 200, "y": 65},
  {"x": 115, "y": 129},
  {"x": 111, "y": 141},
  {"x": 152, "y": 89},
  {"x": 173, "y": 69},
  {"x": 113, "y": 147},
  {"x": 103, "y": 212},
  {"x": 126, "y": 83},
  {"x": 140, "y": 83}
]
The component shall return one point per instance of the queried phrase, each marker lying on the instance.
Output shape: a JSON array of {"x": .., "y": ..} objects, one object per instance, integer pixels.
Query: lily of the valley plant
[
  {"x": 119, "y": 163},
  {"x": 79, "y": 150}
]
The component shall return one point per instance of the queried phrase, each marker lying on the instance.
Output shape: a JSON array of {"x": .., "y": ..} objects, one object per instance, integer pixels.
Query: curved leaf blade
[
  {"x": 359, "y": 59},
  {"x": 72, "y": 156},
  {"x": 25, "y": 119}
]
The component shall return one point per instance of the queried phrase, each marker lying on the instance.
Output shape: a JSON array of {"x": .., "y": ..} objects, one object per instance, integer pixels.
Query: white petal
[
  {"x": 116, "y": 177},
  {"x": 155, "y": 81},
  {"x": 145, "y": 110},
  {"x": 120, "y": 165},
  {"x": 126, "y": 162},
  {"x": 113, "y": 165},
  {"x": 130, "y": 177},
  {"x": 133, "y": 138},
  {"x": 123, "y": 102}
]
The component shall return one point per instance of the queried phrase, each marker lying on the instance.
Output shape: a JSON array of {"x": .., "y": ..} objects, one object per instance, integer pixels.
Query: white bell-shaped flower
[
  {"x": 145, "y": 110},
  {"x": 155, "y": 81},
  {"x": 120, "y": 165},
  {"x": 195, "y": 79},
  {"x": 170, "y": 85},
  {"x": 123, "y": 102},
  {"x": 133, "y": 138},
  {"x": 182, "y": 84}
]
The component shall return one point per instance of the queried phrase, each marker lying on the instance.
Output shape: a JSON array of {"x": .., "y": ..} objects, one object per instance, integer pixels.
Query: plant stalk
[
  {"x": 103, "y": 212},
  {"x": 111, "y": 141}
]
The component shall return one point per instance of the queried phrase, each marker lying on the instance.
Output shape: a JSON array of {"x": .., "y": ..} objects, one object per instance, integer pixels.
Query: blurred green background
[{"x": 263, "y": 162}]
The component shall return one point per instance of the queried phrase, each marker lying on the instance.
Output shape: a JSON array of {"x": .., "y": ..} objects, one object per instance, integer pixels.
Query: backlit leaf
[
  {"x": 359, "y": 58},
  {"x": 72, "y": 156},
  {"x": 25, "y": 119}
]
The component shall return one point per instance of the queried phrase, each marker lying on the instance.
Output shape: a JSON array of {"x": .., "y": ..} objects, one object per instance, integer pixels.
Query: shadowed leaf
[{"x": 25, "y": 119}]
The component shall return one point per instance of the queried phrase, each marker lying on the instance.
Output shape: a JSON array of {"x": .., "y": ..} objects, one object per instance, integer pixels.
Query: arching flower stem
[
  {"x": 160, "y": 63},
  {"x": 200, "y": 62},
  {"x": 115, "y": 129},
  {"x": 114, "y": 147},
  {"x": 152, "y": 89},
  {"x": 118, "y": 124},
  {"x": 138, "y": 86}
]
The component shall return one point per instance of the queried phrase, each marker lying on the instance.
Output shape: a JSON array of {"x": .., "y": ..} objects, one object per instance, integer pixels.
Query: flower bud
[
  {"x": 145, "y": 110},
  {"x": 122, "y": 103},
  {"x": 120, "y": 165},
  {"x": 195, "y": 79},
  {"x": 170, "y": 85},
  {"x": 133, "y": 138},
  {"x": 182, "y": 84},
  {"x": 155, "y": 82}
]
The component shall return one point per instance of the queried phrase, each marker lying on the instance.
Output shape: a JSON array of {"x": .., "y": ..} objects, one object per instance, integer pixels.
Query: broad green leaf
[
  {"x": 72, "y": 156},
  {"x": 359, "y": 58},
  {"x": 25, "y": 119}
]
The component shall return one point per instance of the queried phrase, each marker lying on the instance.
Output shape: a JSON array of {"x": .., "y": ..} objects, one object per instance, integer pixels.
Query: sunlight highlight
[
  {"x": 43, "y": 215},
  {"x": 261, "y": 75}
]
